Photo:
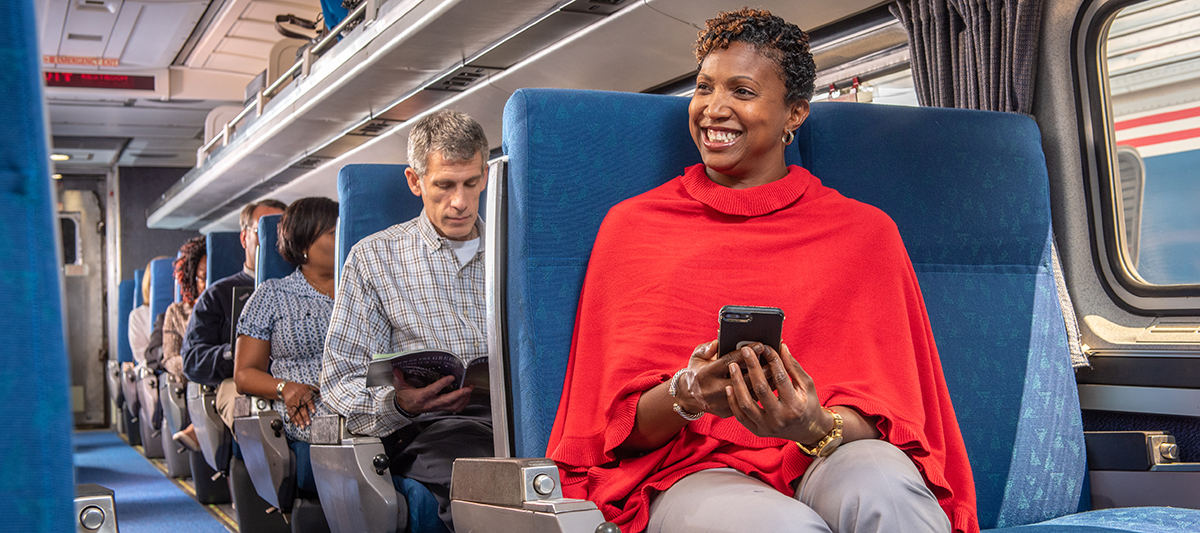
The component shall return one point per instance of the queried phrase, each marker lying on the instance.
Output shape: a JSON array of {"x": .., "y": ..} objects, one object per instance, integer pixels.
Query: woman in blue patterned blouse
[{"x": 281, "y": 332}]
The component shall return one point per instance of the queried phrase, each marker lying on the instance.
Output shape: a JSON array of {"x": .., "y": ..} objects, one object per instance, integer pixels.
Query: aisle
[{"x": 146, "y": 500}]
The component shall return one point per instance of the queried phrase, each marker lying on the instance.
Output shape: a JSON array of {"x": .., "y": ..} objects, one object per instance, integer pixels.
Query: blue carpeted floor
[{"x": 146, "y": 500}]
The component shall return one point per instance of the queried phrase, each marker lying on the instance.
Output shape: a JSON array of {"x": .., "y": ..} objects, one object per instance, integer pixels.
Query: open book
[{"x": 423, "y": 367}]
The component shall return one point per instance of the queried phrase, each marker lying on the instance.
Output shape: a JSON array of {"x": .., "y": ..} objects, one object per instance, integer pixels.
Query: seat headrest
[
  {"x": 270, "y": 264},
  {"x": 162, "y": 286},
  {"x": 964, "y": 187},
  {"x": 371, "y": 198},
  {"x": 225, "y": 255}
]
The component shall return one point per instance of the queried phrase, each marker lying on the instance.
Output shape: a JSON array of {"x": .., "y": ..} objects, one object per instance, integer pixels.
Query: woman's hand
[
  {"x": 706, "y": 391},
  {"x": 298, "y": 398},
  {"x": 795, "y": 414},
  {"x": 414, "y": 400}
]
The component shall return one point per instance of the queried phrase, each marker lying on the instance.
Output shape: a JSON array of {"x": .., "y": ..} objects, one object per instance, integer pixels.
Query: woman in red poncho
[{"x": 850, "y": 428}]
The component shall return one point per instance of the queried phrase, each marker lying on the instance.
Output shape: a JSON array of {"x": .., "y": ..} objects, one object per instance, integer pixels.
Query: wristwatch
[
  {"x": 831, "y": 440},
  {"x": 279, "y": 388}
]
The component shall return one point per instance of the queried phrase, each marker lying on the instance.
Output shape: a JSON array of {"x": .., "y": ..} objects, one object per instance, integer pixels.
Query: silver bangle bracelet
[{"x": 671, "y": 391}]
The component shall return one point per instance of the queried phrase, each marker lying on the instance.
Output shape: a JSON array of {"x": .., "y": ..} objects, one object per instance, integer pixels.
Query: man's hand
[{"x": 415, "y": 401}]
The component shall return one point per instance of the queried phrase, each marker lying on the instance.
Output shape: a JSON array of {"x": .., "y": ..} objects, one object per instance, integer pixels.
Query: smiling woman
[{"x": 848, "y": 429}]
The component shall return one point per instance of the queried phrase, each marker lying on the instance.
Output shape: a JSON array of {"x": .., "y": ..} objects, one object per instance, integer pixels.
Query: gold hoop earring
[{"x": 788, "y": 137}]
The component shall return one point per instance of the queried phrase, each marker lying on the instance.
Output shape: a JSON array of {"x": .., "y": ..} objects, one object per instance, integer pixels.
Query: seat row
[{"x": 968, "y": 191}]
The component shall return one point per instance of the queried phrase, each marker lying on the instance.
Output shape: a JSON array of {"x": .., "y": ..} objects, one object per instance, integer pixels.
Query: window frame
[{"x": 1099, "y": 164}]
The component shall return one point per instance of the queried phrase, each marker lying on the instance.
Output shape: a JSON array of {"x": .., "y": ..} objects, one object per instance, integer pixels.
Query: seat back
[
  {"x": 970, "y": 194},
  {"x": 967, "y": 189},
  {"x": 225, "y": 255},
  {"x": 270, "y": 264},
  {"x": 371, "y": 198},
  {"x": 138, "y": 297},
  {"x": 552, "y": 203},
  {"x": 37, "y": 489},
  {"x": 162, "y": 287},
  {"x": 124, "y": 306}
]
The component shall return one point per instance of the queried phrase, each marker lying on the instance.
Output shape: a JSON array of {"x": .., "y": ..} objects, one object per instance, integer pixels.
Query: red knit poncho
[{"x": 666, "y": 261}]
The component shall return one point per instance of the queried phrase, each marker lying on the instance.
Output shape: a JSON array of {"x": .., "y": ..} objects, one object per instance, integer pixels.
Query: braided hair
[
  {"x": 782, "y": 42},
  {"x": 186, "y": 266}
]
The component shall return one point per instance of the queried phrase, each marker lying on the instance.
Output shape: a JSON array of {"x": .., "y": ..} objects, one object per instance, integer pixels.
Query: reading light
[
  {"x": 56, "y": 176},
  {"x": 59, "y": 157}
]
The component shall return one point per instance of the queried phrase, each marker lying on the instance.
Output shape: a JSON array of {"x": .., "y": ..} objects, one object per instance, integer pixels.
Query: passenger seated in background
[
  {"x": 418, "y": 284},
  {"x": 281, "y": 332},
  {"x": 190, "y": 270},
  {"x": 207, "y": 346},
  {"x": 664, "y": 437}
]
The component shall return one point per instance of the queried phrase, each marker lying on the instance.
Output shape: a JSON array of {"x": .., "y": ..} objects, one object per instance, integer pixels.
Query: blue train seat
[
  {"x": 257, "y": 458},
  {"x": 353, "y": 478},
  {"x": 225, "y": 258},
  {"x": 124, "y": 353},
  {"x": 162, "y": 286},
  {"x": 133, "y": 402},
  {"x": 36, "y": 491},
  {"x": 172, "y": 393},
  {"x": 969, "y": 193}
]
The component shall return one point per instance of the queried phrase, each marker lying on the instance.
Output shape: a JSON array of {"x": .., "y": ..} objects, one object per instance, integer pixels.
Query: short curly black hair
[
  {"x": 781, "y": 41},
  {"x": 303, "y": 222},
  {"x": 187, "y": 265}
]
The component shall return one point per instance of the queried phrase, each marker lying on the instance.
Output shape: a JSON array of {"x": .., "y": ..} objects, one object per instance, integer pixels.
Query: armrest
[
  {"x": 95, "y": 508},
  {"x": 354, "y": 480},
  {"x": 147, "y": 388},
  {"x": 508, "y": 494},
  {"x": 129, "y": 391},
  {"x": 173, "y": 395},
  {"x": 269, "y": 461},
  {"x": 112, "y": 374},
  {"x": 216, "y": 442},
  {"x": 149, "y": 413}
]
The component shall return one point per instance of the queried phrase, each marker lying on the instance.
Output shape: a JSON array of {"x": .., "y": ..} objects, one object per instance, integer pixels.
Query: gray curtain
[{"x": 973, "y": 54}]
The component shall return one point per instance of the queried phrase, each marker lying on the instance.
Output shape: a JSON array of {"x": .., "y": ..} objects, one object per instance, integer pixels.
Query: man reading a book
[{"x": 418, "y": 285}]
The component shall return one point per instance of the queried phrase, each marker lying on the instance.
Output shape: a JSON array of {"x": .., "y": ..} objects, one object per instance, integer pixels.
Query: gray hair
[{"x": 456, "y": 135}]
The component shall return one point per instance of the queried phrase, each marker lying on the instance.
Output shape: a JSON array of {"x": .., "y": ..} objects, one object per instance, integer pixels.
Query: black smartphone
[{"x": 743, "y": 324}]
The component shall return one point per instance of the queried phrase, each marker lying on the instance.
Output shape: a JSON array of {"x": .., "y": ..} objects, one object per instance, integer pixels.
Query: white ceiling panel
[
  {"x": 254, "y": 29},
  {"x": 234, "y": 63},
  {"x": 251, "y": 48},
  {"x": 159, "y": 30}
]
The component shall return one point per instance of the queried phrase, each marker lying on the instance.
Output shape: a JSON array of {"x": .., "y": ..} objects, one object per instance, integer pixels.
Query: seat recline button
[
  {"x": 91, "y": 517},
  {"x": 543, "y": 484}
]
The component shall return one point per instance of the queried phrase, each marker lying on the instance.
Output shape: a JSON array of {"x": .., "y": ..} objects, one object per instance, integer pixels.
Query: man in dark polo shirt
[{"x": 207, "y": 347}]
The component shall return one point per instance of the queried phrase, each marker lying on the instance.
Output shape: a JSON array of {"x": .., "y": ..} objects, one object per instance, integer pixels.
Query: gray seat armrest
[
  {"x": 271, "y": 464},
  {"x": 173, "y": 395},
  {"x": 216, "y": 442},
  {"x": 509, "y": 494},
  {"x": 354, "y": 480},
  {"x": 112, "y": 374},
  {"x": 129, "y": 392},
  {"x": 95, "y": 509},
  {"x": 147, "y": 392}
]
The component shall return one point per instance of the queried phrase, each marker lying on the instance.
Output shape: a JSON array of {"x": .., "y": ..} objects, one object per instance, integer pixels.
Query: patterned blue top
[{"x": 291, "y": 315}]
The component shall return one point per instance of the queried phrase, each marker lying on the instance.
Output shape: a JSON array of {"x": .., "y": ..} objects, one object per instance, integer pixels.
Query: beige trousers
[
  {"x": 865, "y": 486},
  {"x": 226, "y": 392}
]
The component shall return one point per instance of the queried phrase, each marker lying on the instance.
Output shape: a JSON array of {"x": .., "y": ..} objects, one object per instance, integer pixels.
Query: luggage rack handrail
[{"x": 303, "y": 65}]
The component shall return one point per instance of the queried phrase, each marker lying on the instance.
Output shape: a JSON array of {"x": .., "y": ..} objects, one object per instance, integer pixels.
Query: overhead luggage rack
[{"x": 398, "y": 49}]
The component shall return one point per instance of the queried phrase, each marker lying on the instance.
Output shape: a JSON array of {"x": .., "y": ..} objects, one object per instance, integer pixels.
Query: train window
[
  {"x": 69, "y": 225},
  {"x": 893, "y": 88},
  {"x": 1156, "y": 120},
  {"x": 1148, "y": 69}
]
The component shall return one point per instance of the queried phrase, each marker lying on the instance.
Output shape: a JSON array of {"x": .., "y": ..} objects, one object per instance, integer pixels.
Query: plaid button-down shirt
[{"x": 401, "y": 289}]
